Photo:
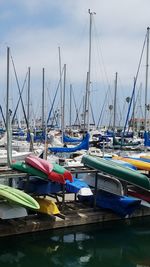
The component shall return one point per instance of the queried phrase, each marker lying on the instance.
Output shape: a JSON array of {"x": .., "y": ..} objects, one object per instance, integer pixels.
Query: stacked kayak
[
  {"x": 18, "y": 197},
  {"x": 137, "y": 162},
  {"x": 121, "y": 172},
  {"x": 121, "y": 162},
  {"x": 43, "y": 169}
]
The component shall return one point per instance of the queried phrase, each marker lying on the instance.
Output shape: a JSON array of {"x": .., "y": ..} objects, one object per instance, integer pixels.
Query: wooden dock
[{"x": 73, "y": 213}]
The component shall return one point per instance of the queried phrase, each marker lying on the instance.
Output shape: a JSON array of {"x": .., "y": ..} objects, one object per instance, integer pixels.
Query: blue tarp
[
  {"x": 121, "y": 205},
  {"x": 67, "y": 139},
  {"x": 39, "y": 187},
  {"x": 83, "y": 145},
  {"x": 75, "y": 186}
]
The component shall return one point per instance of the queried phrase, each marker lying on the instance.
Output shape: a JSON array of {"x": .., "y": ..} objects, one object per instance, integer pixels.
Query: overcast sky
[{"x": 33, "y": 29}]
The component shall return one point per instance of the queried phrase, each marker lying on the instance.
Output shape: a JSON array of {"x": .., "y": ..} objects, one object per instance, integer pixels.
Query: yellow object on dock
[
  {"x": 47, "y": 206},
  {"x": 141, "y": 165}
]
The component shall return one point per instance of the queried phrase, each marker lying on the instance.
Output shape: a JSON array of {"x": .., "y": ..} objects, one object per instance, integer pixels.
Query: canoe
[
  {"x": 47, "y": 206},
  {"x": 18, "y": 196},
  {"x": 123, "y": 173},
  {"x": 11, "y": 211},
  {"x": 40, "y": 164},
  {"x": 140, "y": 164},
  {"x": 23, "y": 167}
]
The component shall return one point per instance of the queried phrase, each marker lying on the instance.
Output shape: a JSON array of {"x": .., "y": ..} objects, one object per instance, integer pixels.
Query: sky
[{"x": 35, "y": 29}]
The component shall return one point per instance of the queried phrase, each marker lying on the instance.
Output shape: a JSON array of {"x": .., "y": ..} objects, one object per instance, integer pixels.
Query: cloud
[{"x": 35, "y": 29}]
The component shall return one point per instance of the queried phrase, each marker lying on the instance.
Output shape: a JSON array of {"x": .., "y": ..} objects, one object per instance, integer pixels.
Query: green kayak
[
  {"x": 21, "y": 166},
  {"x": 18, "y": 196},
  {"x": 125, "y": 174},
  {"x": 58, "y": 168}
]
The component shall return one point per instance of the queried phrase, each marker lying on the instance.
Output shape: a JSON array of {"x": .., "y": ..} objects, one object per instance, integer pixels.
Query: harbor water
[{"x": 117, "y": 244}]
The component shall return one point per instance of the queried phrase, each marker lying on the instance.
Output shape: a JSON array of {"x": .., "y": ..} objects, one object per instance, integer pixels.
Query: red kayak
[
  {"x": 40, "y": 164},
  {"x": 48, "y": 168},
  {"x": 56, "y": 177}
]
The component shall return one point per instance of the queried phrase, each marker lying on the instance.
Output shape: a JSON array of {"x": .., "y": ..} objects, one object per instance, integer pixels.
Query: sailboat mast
[
  {"x": 28, "y": 102},
  {"x": 115, "y": 96},
  {"x": 89, "y": 67},
  {"x": 60, "y": 84},
  {"x": 70, "y": 105},
  {"x": 43, "y": 89},
  {"x": 63, "y": 107},
  {"x": 8, "y": 114},
  {"x": 7, "y": 92},
  {"x": 146, "y": 78}
]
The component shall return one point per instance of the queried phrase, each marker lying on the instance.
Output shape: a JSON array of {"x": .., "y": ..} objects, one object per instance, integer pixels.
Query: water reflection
[{"x": 116, "y": 245}]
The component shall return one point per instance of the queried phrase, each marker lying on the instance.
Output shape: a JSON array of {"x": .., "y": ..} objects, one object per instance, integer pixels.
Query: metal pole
[
  {"x": 70, "y": 104},
  {"x": 63, "y": 110},
  {"x": 28, "y": 102},
  {"x": 43, "y": 81},
  {"x": 8, "y": 114},
  {"x": 115, "y": 95},
  {"x": 7, "y": 95},
  {"x": 89, "y": 68},
  {"x": 60, "y": 84},
  {"x": 146, "y": 80}
]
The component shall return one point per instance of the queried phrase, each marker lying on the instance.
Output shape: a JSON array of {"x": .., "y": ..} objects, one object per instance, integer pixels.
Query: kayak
[
  {"x": 40, "y": 164},
  {"x": 61, "y": 170},
  {"x": 140, "y": 164},
  {"x": 47, "y": 206},
  {"x": 23, "y": 167},
  {"x": 18, "y": 196},
  {"x": 125, "y": 174}
]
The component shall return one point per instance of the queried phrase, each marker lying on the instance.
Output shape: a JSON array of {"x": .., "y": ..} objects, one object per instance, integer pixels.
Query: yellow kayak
[
  {"x": 47, "y": 206},
  {"x": 141, "y": 165}
]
